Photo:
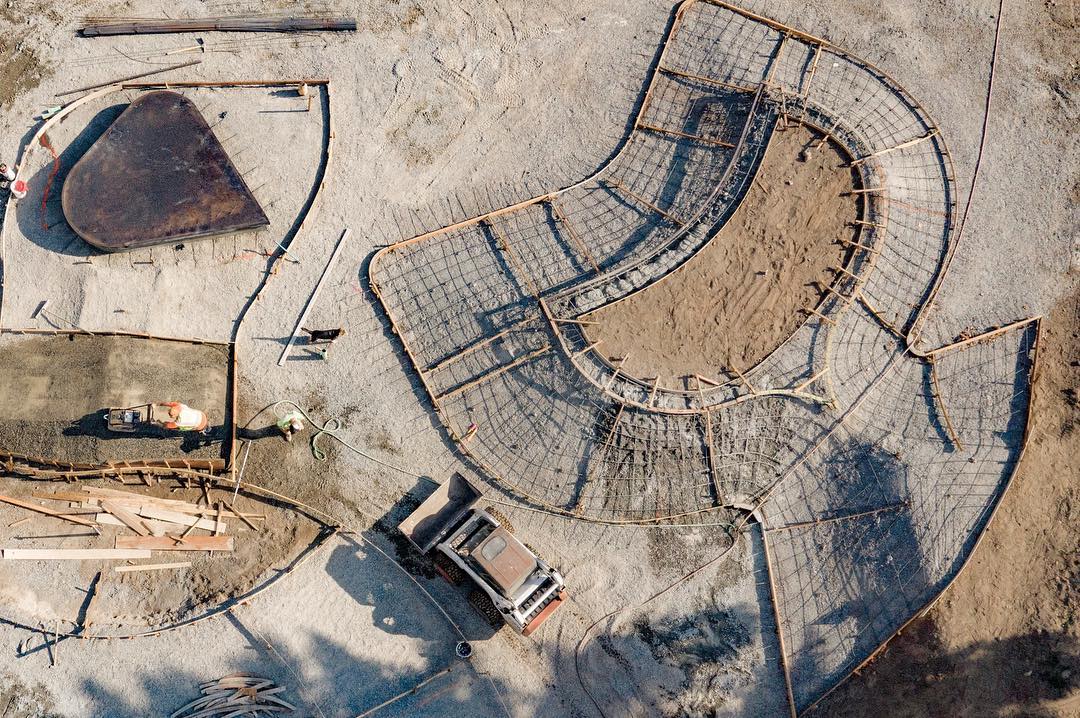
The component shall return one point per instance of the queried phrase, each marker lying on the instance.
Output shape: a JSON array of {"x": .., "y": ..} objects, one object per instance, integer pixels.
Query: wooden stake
[
  {"x": 152, "y": 567},
  {"x": 47, "y": 512},
  {"x": 252, "y": 526},
  {"x": 90, "y": 603}
]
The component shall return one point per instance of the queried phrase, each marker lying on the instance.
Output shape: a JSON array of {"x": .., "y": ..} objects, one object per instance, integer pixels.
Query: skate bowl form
[
  {"x": 158, "y": 175},
  {"x": 864, "y": 464}
]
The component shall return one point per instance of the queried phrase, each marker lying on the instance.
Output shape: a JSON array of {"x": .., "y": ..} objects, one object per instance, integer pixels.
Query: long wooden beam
[
  {"x": 494, "y": 373},
  {"x": 48, "y": 512},
  {"x": 74, "y": 554},
  {"x": 644, "y": 202},
  {"x": 775, "y": 596},
  {"x": 169, "y": 543}
]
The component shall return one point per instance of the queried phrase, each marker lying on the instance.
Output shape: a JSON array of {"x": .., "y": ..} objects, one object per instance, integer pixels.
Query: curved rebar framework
[{"x": 874, "y": 466}]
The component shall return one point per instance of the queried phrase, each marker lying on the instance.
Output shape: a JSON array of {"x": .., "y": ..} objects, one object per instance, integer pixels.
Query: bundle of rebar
[
  {"x": 239, "y": 694},
  {"x": 148, "y": 26}
]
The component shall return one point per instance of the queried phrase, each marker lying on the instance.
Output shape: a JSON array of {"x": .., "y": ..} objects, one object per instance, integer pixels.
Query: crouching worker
[
  {"x": 183, "y": 418},
  {"x": 291, "y": 424}
]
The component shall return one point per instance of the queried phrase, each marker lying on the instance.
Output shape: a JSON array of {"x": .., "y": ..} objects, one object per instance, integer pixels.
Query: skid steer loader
[{"x": 511, "y": 583}]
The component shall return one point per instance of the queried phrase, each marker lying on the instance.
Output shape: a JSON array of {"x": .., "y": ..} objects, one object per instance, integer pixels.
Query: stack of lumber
[
  {"x": 239, "y": 694},
  {"x": 156, "y": 524}
]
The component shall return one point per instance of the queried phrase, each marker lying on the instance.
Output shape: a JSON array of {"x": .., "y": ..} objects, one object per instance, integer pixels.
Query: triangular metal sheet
[{"x": 158, "y": 175}]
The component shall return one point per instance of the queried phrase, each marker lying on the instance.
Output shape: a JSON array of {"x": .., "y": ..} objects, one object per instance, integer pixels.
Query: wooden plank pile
[
  {"x": 157, "y": 524},
  {"x": 239, "y": 694}
]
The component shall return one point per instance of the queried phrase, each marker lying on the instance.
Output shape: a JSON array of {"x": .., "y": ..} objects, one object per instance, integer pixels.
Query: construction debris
[
  {"x": 47, "y": 512},
  {"x": 73, "y": 554},
  {"x": 155, "y": 521},
  {"x": 127, "y": 26},
  {"x": 153, "y": 567},
  {"x": 175, "y": 543},
  {"x": 238, "y": 694}
]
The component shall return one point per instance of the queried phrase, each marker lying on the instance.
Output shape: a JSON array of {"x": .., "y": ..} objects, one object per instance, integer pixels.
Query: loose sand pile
[
  {"x": 1005, "y": 638},
  {"x": 747, "y": 291}
]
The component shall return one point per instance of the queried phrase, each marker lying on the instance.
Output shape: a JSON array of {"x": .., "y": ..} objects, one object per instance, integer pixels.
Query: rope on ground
[{"x": 985, "y": 122}]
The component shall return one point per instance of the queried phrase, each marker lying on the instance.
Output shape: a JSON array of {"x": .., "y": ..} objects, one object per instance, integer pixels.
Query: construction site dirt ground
[
  {"x": 437, "y": 107},
  {"x": 56, "y": 391}
]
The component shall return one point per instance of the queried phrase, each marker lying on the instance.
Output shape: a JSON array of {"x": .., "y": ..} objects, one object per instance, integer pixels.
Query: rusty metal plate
[{"x": 158, "y": 175}]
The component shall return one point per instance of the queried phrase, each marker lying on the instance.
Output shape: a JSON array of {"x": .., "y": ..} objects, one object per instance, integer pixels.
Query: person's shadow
[{"x": 255, "y": 434}]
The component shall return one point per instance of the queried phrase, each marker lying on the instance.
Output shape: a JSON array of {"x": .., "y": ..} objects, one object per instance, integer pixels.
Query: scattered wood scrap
[
  {"x": 77, "y": 554},
  {"x": 239, "y": 694},
  {"x": 48, "y": 512},
  {"x": 157, "y": 528},
  {"x": 175, "y": 543},
  {"x": 142, "y": 500},
  {"x": 153, "y": 567},
  {"x": 175, "y": 517},
  {"x": 159, "y": 524},
  {"x": 129, "y": 519}
]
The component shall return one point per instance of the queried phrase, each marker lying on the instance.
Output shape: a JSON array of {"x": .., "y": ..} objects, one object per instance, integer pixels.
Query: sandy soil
[
  {"x": 1004, "y": 640},
  {"x": 749, "y": 289},
  {"x": 55, "y": 389},
  {"x": 20, "y": 701},
  {"x": 20, "y": 67}
]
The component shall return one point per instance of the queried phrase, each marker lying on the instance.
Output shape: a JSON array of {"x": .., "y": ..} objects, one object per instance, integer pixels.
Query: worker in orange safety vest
[{"x": 183, "y": 418}]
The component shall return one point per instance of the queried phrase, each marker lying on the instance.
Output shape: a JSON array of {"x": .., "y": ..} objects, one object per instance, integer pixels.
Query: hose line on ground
[{"x": 330, "y": 428}]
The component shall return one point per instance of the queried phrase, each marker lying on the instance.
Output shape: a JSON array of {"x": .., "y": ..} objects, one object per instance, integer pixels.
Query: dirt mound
[{"x": 747, "y": 291}]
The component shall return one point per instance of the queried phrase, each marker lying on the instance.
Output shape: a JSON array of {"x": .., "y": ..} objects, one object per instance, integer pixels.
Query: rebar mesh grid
[{"x": 872, "y": 467}]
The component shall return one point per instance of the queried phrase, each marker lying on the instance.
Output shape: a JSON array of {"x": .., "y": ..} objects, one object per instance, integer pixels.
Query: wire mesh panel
[
  {"x": 876, "y": 522},
  {"x": 873, "y": 467}
]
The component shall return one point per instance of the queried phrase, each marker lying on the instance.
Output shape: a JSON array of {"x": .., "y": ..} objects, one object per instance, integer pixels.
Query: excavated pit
[{"x": 750, "y": 288}]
